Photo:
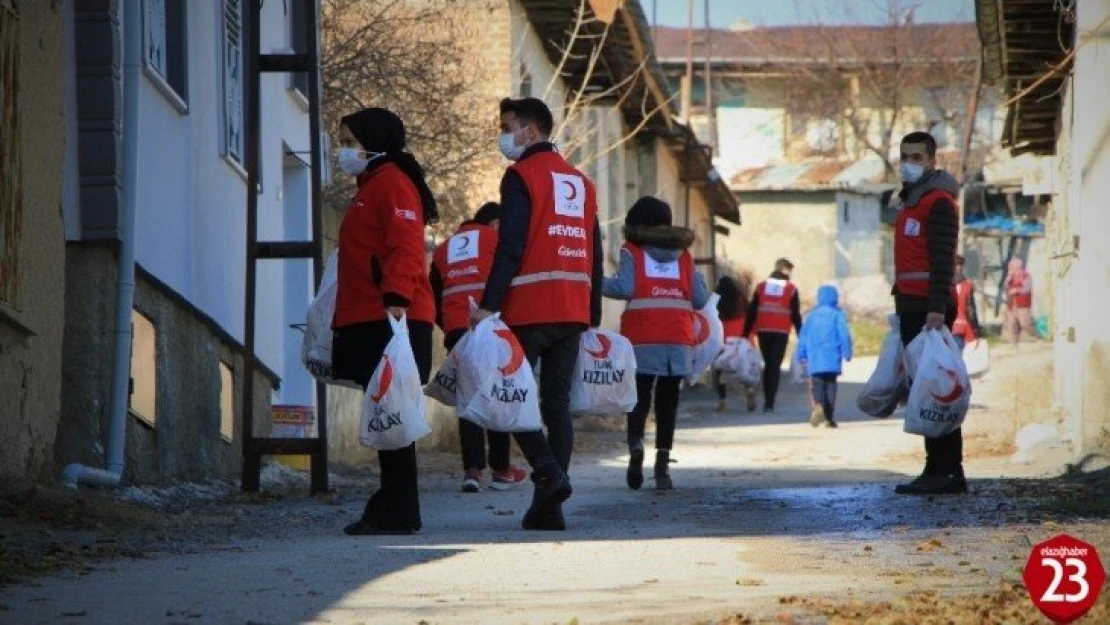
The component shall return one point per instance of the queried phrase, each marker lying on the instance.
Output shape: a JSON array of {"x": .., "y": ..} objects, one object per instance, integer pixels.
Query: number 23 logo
[{"x": 1051, "y": 594}]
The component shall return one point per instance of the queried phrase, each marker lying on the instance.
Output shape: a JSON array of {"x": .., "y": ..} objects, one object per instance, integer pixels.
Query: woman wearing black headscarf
[{"x": 382, "y": 272}]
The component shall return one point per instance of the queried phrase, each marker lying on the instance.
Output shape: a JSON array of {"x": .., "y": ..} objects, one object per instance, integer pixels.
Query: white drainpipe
[{"x": 76, "y": 474}]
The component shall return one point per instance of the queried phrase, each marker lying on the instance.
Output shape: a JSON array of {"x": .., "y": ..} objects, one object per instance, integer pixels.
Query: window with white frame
[
  {"x": 298, "y": 41},
  {"x": 164, "y": 47},
  {"x": 235, "y": 82}
]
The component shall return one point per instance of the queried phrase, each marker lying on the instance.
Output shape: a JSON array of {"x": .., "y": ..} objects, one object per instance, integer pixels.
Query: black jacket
[
  {"x": 795, "y": 308},
  {"x": 516, "y": 215}
]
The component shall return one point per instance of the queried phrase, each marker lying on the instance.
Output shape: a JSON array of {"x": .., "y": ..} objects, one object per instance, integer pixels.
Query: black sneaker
[
  {"x": 635, "y": 475},
  {"x": 832, "y": 423},
  {"x": 934, "y": 484},
  {"x": 662, "y": 475},
  {"x": 552, "y": 521},
  {"x": 552, "y": 488}
]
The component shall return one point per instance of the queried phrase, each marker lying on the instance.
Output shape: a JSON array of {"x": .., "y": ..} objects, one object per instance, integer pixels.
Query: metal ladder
[{"x": 306, "y": 62}]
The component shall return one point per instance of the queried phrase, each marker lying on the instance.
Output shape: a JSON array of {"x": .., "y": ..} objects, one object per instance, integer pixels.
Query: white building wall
[
  {"x": 528, "y": 55},
  {"x": 192, "y": 199},
  {"x": 858, "y": 244},
  {"x": 1083, "y": 336}
]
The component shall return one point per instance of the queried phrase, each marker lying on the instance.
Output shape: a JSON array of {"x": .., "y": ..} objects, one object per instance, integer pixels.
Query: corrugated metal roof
[{"x": 813, "y": 175}]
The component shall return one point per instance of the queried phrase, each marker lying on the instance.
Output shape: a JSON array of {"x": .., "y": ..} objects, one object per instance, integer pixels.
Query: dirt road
[{"x": 771, "y": 519}]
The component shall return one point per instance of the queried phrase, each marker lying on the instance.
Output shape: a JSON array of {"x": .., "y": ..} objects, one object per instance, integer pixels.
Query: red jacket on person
[{"x": 381, "y": 251}]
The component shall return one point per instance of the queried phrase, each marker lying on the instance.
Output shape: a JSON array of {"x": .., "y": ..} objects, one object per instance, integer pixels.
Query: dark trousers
[
  {"x": 356, "y": 351},
  {"x": 944, "y": 455},
  {"x": 773, "y": 347},
  {"x": 555, "y": 345},
  {"x": 666, "y": 409},
  {"x": 473, "y": 438},
  {"x": 824, "y": 392}
]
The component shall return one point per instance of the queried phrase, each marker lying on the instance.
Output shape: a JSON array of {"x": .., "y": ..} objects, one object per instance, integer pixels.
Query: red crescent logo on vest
[
  {"x": 516, "y": 357},
  {"x": 572, "y": 192},
  {"x": 384, "y": 381},
  {"x": 606, "y": 345},
  {"x": 701, "y": 328},
  {"x": 957, "y": 389}
]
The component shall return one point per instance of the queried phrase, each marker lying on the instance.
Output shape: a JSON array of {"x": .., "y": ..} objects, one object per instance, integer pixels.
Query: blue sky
[{"x": 782, "y": 12}]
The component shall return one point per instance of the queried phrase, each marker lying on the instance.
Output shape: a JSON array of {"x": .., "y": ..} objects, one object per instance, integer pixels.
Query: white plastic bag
[
  {"x": 940, "y": 393},
  {"x": 799, "y": 372},
  {"x": 316, "y": 344},
  {"x": 393, "y": 404},
  {"x": 888, "y": 383},
  {"x": 496, "y": 388},
  {"x": 444, "y": 385},
  {"x": 739, "y": 359},
  {"x": 977, "y": 358},
  {"x": 605, "y": 374},
  {"x": 709, "y": 337}
]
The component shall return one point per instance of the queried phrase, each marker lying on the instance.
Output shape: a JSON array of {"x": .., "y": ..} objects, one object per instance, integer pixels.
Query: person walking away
[
  {"x": 925, "y": 237},
  {"x": 656, "y": 275},
  {"x": 460, "y": 268},
  {"x": 381, "y": 272},
  {"x": 965, "y": 329},
  {"x": 823, "y": 344},
  {"x": 546, "y": 282},
  {"x": 777, "y": 309},
  {"x": 1019, "y": 302},
  {"x": 732, "y": 307}
]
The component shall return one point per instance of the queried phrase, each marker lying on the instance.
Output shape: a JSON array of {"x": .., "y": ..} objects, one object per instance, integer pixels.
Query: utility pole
[
  {"x": 710, "y": 113},
  {"x": 688, "y": 79}
]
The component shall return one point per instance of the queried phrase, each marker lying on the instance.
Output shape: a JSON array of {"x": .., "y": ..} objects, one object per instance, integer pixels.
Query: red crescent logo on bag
[
  {"x": 957, "y": 388},
  {"x": 602, "y": 353},
  {"x": 701, "y": 328},
  {"x": 384, "y": 381},
  {"x": 516, "y": 358}
]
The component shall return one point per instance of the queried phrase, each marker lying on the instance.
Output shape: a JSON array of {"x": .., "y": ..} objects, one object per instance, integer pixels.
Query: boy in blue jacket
[{"x": 823, "y": 344}]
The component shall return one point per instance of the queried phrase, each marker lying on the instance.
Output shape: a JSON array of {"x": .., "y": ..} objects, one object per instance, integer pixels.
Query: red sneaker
[{"x": 510, "y": 477}]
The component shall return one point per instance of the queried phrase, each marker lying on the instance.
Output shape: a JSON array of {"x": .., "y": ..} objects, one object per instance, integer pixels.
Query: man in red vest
[
  {"x": 777, "y": 308},
  {"x": 546, "y": 282},
  {"x": 925, "y": 237},
  {"x": 966, "y": 327},
  {"x": 1019, "y": 302},
  {"x": 460, "y": 268}
]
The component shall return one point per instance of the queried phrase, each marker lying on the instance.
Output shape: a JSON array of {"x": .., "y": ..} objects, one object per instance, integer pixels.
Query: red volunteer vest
[
  {"x": 911, "y": 247},
  {"x": 1021, "y": 300},
  {"x": 962, "y": 325},
  {"x": 773, "y": 314},
  {"x": 553, "y": 285},
  {"x": 660, "y": 311},
  {"x": 463, "y": 262}
]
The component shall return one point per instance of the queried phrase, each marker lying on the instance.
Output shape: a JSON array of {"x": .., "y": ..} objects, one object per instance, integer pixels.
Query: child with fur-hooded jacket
[{"x": 657, "y": 277}]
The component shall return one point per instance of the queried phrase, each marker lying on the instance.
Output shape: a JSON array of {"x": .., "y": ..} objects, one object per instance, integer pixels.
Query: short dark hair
[
  {"x": 959, "y": 259},
  {"x": 923, "y": 137},
  {"x": 530, "y": 111},
  {"x": 783, "y": 263},
  {"x": 490, "y": 212}
]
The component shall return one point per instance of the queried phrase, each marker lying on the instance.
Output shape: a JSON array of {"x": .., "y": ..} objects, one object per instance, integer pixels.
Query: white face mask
[
  {"x": 911, "y": 172},
  {"x": 509, "y": 148},
  {"x": 351, "y": 160}
]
